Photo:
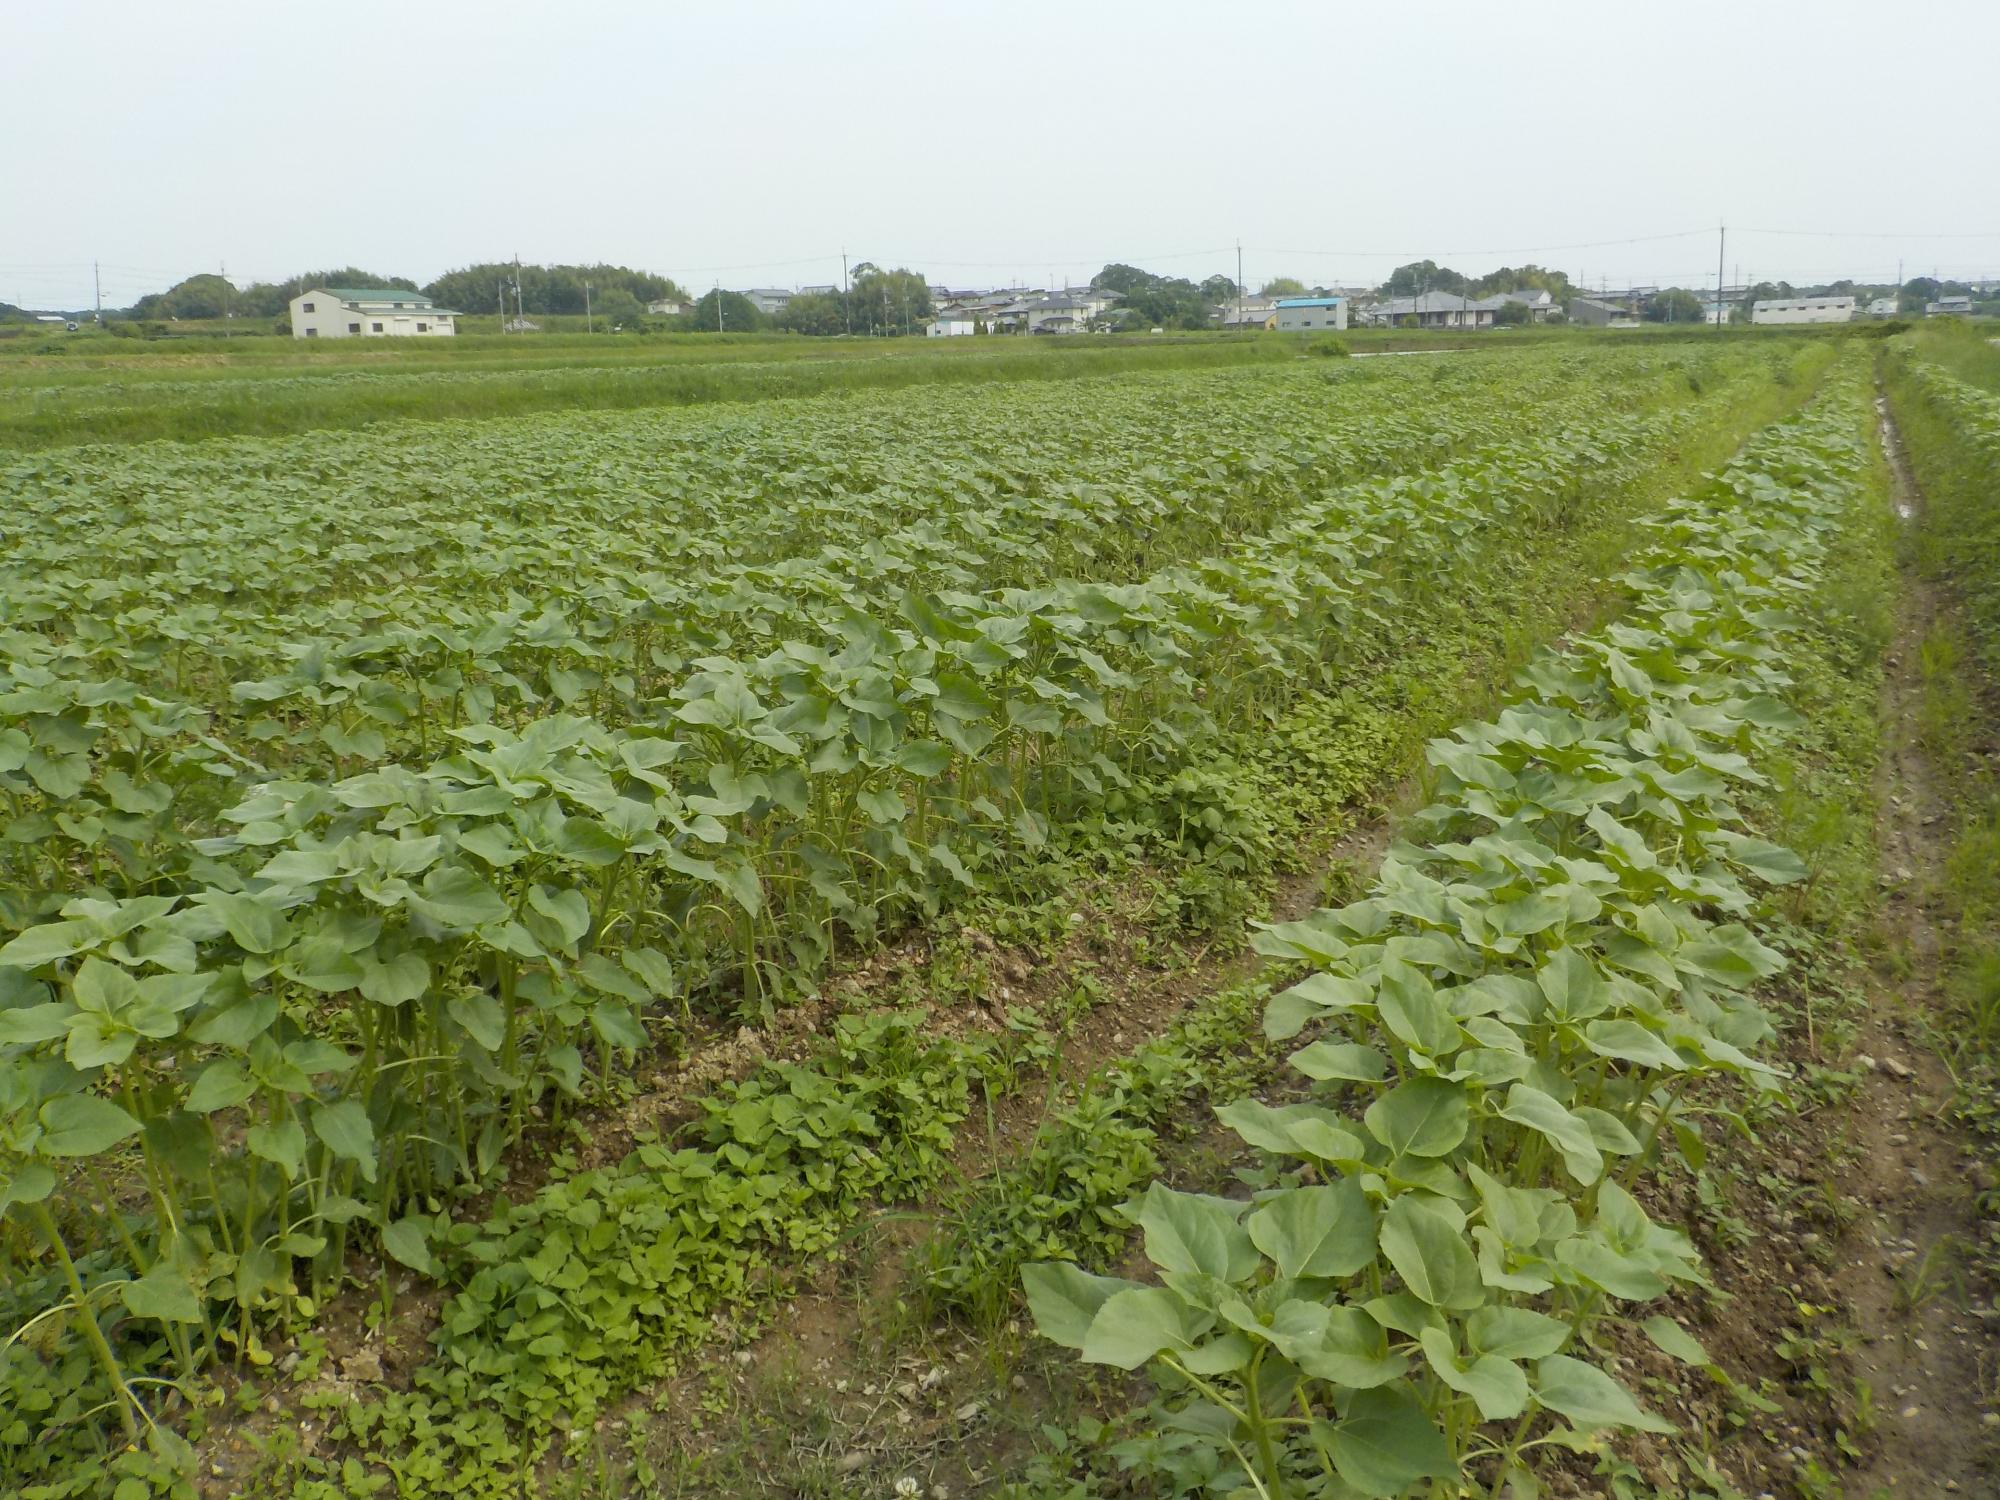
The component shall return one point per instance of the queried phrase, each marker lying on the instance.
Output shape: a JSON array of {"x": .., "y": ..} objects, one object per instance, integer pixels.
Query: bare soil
[{"x": 1930, "y": 1352}]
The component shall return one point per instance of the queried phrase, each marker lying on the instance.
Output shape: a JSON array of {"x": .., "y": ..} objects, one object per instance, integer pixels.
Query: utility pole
[
  {"x": 97, "y": 287},
  {"x": 1721, "y": 239},
  {"x": 1239, "y": 286},
  {"x": 500, "y": 296},
  {"x": 588, "y": 327},
  {"x": 718, "y": 308},
  {"x": 846, "y": 307}
]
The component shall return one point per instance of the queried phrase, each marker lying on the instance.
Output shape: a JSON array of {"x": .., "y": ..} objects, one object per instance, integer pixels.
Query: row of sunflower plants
[
  {"x": 1522, "y": 1013},
  {"x": 353, "y": 998},
  {"x": 209, "y": 569},
  {"x": 245, "y": 545}
]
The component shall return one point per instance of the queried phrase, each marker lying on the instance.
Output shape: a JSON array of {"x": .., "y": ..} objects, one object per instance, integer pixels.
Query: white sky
[{"x": 985, "y": 143}]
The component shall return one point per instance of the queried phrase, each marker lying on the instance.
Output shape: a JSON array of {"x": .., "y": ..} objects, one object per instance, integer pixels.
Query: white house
[
  {"x": 1803, "y": 310},
  {"x": 769, "y": 300},
  {"x": 1431, "y": 310},
  {"x": 1949, "y": 307},
  {"x": 1296, "y": 314},
  {"x": 1539, "y": 303},
  {"x": 951, "y": 323},
  {"x": 1882, "y": 307},
  {"x": 667, "y": 307},
  {"x": 369, "y": 312}
]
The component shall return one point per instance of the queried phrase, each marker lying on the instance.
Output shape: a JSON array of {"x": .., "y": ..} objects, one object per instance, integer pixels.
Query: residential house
[
  {"x": 1802, "y": 310},
  {"x": 369, "y": 312},
  {"x": 1432, "y": 310},
  {"x": 1594, "y": 312},
  {"x": 1249, "y": 313},
  {"x": 1882, "y": 307},
  {"x": 1297, "y": 314},
  {"x": 668, "y": 307},
  {"x": 1539, "y": 303},
  {"x": 952, "y": 323},
  {"x": 1949, "y": 307},
  {"x": 769, "y": 300},
  {"x": 1063, "y": 313}
]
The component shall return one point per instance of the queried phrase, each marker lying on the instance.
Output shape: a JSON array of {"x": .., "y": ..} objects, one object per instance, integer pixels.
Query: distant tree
[
  {"x": 615, "y": 307},
  {"x": 546, "y": 289},
  {"x": 889, "y": 302},
  {"x": 1219, "y": 289},
  {"x": 1508, "y": 314},
  {"x": 1424, "y": 276},
  {"x": 272, "y": 299},
  {"x": 1121, "y": 278},
  {"x": 1523, "y": 279},
  {"x": 814, "y": 313},
  {"x": 1283, "y": 286},
  {"x": 739, "y": 314},
  {"x": 1917, "y": 291},
  {"x": 204, "y": 296},
  {"x": 1674, "y": 305}
]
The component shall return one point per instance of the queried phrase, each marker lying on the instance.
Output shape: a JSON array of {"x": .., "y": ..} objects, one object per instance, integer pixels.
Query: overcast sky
[{"x": 986, "y": 144}]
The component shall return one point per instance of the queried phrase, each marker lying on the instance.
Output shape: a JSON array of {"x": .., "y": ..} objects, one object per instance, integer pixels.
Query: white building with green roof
[{"x": 347, "y": 312}]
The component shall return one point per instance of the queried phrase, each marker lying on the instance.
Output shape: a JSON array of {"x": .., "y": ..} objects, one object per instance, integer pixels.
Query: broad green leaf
[
  {"x": 83, "y": 1125},
  {"x": 1431, "y": 1255},
  {"x": 1133, "y": 1326},
  {"x": 1531, "y": 1107},
  {"x": 482, "y": 1017},
  {"x": 394, "y": 981},
  {"x": 222, "y": 1085},
  {"x": 408, "y": 1241},
  {"x": 1413, "y": 1013},
  {"x": 280, "y": 1141},
  {"x": 455, "y": 897},
  {"x": 1515, "y": 1332},
  {"x": 1338, "y": 1343},
  {"x": 1064, "y": 1298},
  {"x": 26, "y": 1182},
  {"x": 1589, "y": 1397},
  {"x": 1772, "y": 863},
  {"x": 1497, "y": 1386},
  {"x": 1316, "y": 995},
  {"x": 349, "y": 1134},
  {"x": 1385, "y": 1444},
  {"x": 1316, "y": 1231},
  {"x": 566, "y": 911},
  {"x": 255, "y": 923},
  {"x": 1672, "y": 1339},
  {"x": 237, "y": 1023},
  {"x": 47, "y": 943},
  {"x": 1628, "y": 1041},
  {"x": 1420, "y": 1117},
  {"x": 34, "y": 1023},
  {"x": 1196, "y": 1232},
  {"x": 1344, "y": 1060},
  {"x": 162, "y": 1293},
  {"x": 1571, "y": 983}
]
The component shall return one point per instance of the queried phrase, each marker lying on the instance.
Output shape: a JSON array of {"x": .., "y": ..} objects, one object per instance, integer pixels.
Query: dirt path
[{"x": 1927, "y": 1356}]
